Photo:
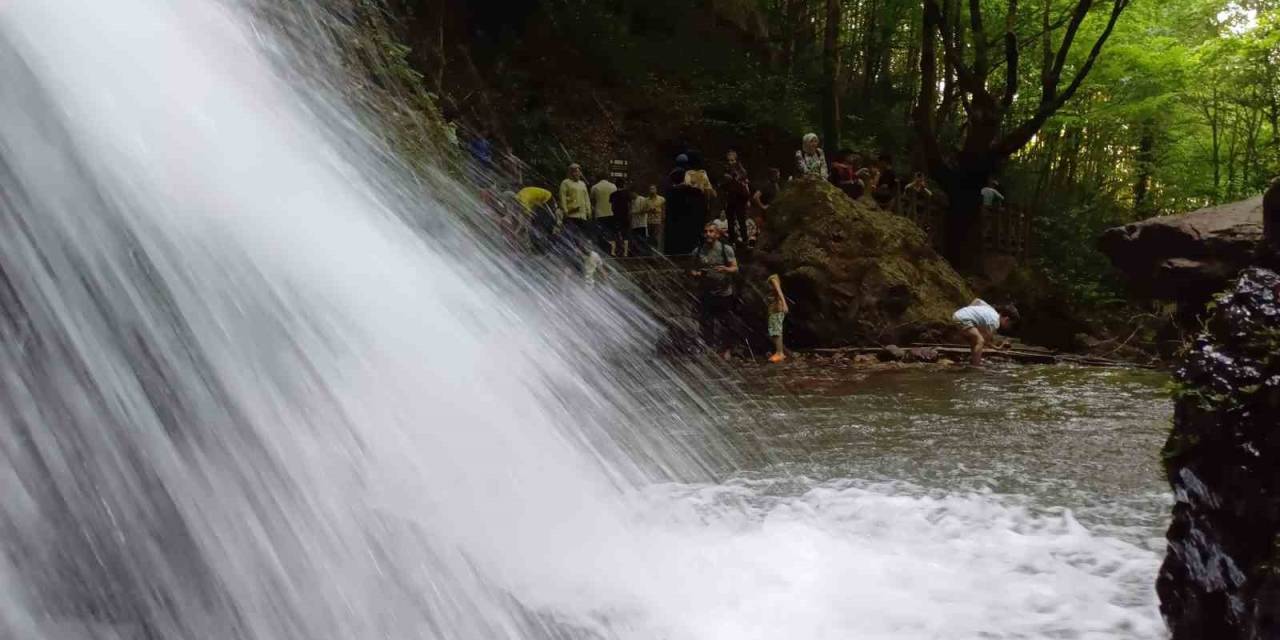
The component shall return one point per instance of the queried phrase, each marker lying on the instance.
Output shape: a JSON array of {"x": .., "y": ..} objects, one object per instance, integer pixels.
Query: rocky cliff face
[
  {"x": 1221, "y": 575},
  {"x": 857, "y": 274},
  {"x": 1187, "y": 257}
]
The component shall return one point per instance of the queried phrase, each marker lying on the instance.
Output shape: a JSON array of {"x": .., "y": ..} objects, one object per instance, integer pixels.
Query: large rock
[
  {"x": 1221, "y": 575},
  {"x": 857, "y": 274},
  {"x": 1190, "y": 256}
]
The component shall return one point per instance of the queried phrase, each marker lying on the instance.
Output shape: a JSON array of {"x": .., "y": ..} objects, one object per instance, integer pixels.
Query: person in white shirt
[
  {"x": 639, "y": 235},
  {"x": 722, "y": 223},
  {"x": 656, "y": 211},
  {"x": 991, "y": 196},
  {"x": 606, "y": 226},
  {"x": 979, "y": 322}
]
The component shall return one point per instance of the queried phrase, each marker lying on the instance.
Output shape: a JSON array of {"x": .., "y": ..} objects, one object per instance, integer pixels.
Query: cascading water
[{"x": 256, "y": 385}]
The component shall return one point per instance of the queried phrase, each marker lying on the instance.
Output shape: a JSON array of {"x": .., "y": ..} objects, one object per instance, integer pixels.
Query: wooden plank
[{"x": 1038, "y": 356}]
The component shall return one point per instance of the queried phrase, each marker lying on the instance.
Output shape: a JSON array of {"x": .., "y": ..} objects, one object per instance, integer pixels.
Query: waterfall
[{"x": 243, "y": 396}]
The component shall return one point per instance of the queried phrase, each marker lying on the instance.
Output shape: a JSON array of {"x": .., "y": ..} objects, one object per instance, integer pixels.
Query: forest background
[{"x": 1092, "y": 114}]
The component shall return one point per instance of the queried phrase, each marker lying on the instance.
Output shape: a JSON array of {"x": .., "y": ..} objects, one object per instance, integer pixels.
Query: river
[{"x": 1012, "y": 502}]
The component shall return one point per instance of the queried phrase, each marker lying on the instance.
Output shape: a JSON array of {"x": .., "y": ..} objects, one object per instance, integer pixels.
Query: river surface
[
  {"x": 1010, "y": 502},
  {"x": 1084, "y": 439}
]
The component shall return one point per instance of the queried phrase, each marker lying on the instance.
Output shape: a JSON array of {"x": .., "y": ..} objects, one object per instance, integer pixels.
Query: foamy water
[{"x": 245, "y": 395}]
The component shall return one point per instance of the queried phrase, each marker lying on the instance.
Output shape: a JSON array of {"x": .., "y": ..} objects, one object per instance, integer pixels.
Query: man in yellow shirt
[
  {"x": 533, "y": 197},
  {"x": 540, "y": 208}
]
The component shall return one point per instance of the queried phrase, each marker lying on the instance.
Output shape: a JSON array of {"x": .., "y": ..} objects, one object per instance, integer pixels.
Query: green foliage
[
  {"x": 1068, "y": 256},
  {"x": 1179, "y": 111}
]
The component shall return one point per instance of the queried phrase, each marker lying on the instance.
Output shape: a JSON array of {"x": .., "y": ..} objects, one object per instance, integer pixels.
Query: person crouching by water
[
  {"x": 716, "y": 265},
  {"x": 777, "y": 314},
  {"x": 979, "y": 322}
]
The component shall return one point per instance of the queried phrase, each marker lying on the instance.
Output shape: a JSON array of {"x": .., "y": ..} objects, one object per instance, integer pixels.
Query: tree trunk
[
  {"x": 831, "y": 73},
  {"x": 1145, "y": 161},
  {"x": 963, "y": 245},
  {"x": 870, "y": 49}
]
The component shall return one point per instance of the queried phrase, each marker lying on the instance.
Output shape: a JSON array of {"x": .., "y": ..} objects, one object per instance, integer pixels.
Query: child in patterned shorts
[{"x": 777, "y": 313}]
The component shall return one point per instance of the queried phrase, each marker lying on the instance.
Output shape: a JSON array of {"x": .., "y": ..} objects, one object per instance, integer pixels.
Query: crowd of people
[{"x": 712, "y": 221}]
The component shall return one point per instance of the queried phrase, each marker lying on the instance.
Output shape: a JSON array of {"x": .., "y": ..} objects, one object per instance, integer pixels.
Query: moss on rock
[{"x": 857, "y": 274}]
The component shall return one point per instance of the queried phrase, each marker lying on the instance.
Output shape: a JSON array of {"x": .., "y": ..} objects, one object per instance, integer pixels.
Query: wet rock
[
  {"x": 865, "y": 358},
  {"x": 856, "y": 274},
  {"x": 894, "y": 353},
  {"x": 1187, "y": 257},
  {"x": 1221, "y": 574},
  {"x": 923, "y": 354}
]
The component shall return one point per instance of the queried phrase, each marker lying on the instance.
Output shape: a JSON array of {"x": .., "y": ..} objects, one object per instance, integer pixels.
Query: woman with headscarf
[{"x": 810, "y": 161}]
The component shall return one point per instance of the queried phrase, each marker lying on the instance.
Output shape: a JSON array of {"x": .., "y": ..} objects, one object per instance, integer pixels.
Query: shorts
[
  {"x": 775, "y": 323},
  {"x": 964, "y": 323}
]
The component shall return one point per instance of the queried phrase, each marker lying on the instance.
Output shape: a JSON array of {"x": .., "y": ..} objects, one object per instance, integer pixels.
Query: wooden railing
[{"x": 1006, "y": 229}]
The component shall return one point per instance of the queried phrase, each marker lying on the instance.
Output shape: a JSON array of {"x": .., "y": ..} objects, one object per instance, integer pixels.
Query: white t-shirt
[
  {"x": 600, "y": 193},
  {"x": 722, "y": 224},
  {"x": 980, "y": 315},
  {"x": 640, "y": 213}
]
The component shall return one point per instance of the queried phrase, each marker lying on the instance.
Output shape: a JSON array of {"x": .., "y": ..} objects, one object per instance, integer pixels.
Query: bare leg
[
  {"x": 779, "y": 351},
  {"x": 976, "y": 343}
]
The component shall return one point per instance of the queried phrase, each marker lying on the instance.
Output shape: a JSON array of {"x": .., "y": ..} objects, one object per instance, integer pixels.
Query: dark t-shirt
[
  {"x": 889, "y": 178},
  {"x": 768, "y": 193},
  {"x": 841, "y": 173},
  {"x": 620, "y": 201}
]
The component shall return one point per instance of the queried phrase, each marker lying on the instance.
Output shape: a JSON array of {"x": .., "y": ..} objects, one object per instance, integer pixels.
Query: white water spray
[{"x": 244, "y": 398}]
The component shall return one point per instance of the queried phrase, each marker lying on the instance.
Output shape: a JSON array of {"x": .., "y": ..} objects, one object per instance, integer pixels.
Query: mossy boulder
[
  {"x": 1221, "y": 573},
  {"x": 856, "y": 274}
]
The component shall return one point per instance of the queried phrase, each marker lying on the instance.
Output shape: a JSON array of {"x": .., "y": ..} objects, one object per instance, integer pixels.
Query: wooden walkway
[{"x": 1006, "y": 229}]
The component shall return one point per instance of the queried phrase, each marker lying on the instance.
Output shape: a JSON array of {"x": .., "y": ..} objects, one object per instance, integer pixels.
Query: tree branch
[
  {"x": 1052, "y": 78},
  {"x": 924, "y": 114},
  {"x": 1048, "y": 106},
  {"x": 980, "y": 63},
  {"x": 951, "y": 50},
  {"x": 1010, "y": 56}
]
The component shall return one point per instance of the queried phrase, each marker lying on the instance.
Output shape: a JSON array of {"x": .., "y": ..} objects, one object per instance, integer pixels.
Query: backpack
[{"x": 706, "y": 284}]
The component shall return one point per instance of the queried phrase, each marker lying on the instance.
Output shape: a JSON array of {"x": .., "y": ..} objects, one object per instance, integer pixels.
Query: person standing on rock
[
  {"x": 737, "y": 196},
  {"x": 887, "y": 184},
  {"x": 715, "y": 266},
  {"x": 810, "y": 161},
  {"x": 777, "y": 315},
  {"x": 767, "y": 192},
  {"x": 979, "y": 322},
  {"x": 606, "y": 225},
  {"x": 575, "y": 203}
]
